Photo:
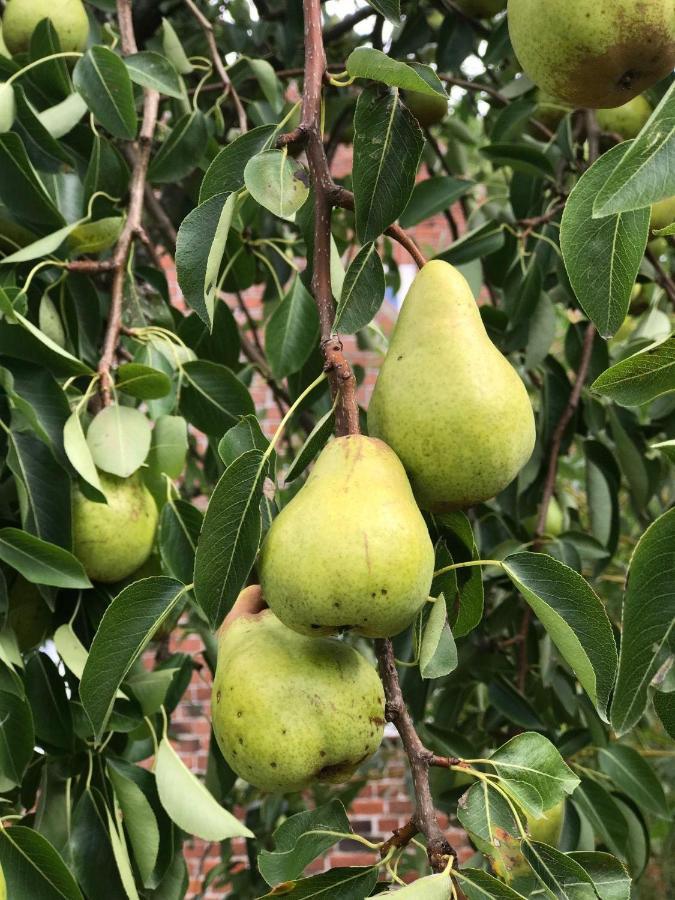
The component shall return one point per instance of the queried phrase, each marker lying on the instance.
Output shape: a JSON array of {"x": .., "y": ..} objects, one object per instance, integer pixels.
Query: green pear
[
  {"x": 29, "y": 616},
  {"x": 555, "y": 520},
  {"x": 627, "y": 120},
  {"x": 663, "y": 214},
  {"x": 508, "y": 861},
  {"x": 481, "y": 9},
  {"x": 364, "y": 564},
  {"x": 432, "y": 887},
  {"x": 593, "y": 54},
  {"x": 3, "y": 47},
  {"x": 289, "y": 710},
  {"x": 550, "y": 111},
  {"x": 68, "y": 17},
  {"x": 446, "y": 400},
  {"x": 427, "y": 110},
  {"x": 114, "y": 539}
]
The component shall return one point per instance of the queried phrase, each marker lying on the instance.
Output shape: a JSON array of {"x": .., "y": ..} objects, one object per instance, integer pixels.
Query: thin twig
[
  {"x": 162, "y": 220},
  {"x": 663, "y": 277},
  {"x": 482, "y": 88},
  {"x": 228, "y": 87},
  {"x": 345, "y": 25}
]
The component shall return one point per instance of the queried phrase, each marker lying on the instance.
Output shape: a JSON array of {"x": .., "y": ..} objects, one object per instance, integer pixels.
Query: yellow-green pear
[
  {"x": 508, "y": 861},
  {"x": 114, "y": 539},
  {"x": 446, "y": 400},
  {"x": 289, "y": 710},
  {"x": 68, "y": 17},
  {"x": 29, "y": 616},
  {"x": 481, "y": 9},
  {"x": 432, "y": 887},
  {"x": 627, "y": 120},
  {"x": 362, "y": 564},
  {"x": 555, "y": 520},
  {"x": 427, "y": 110},
  {"x": 590, "y": 53},
  {"x": 663, "y": 214}
]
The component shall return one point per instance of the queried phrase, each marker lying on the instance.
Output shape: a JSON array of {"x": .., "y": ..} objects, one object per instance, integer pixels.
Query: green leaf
[
  {"x": 181, "y": 151},
  {"x": 226, "y": 172},
  {"x": 315, "y": 441},
  {"x": 562, "y": 875},
  {"x": 60, "y": 119},
  {"x": 179, "y": 526},
  {"x": 602, "y": 256},
  {"x": 291, "y": 332},
  {"x": 173, "y": 49},
  {"x": 121, "y": 854},
  {"x": 648, "y": 615},
  {"x": 431, "y": 196},
  {"x": 438, "y": 653},
  {"x": 46, "y": 693},
  {"x": 169, "y": 446},
  {"x": 646, "y": 173},
  {"x": 119, "y": 439},
  {"x": 300, "y": 839},
  {"x": 78, "y": 452},
  {"x": 34, "y": 346},
  {"x": 353, "y": 883},
  {"x": 640, "y": 378},
  {"x": 102, "y": 79},
  {"x": 574, "y": 618},
  {"x": 93, "y": 861},
  {"x": 213, "y": 398},
  {"x": 124, "y": 632},
  {"x": 45, "y": 151},
  {"x": 154, "y": 71},
  {"x": 142, "y": 382},
  {"x": 387, "y": 148},
  {"x": 139, "y": 819},
  {"x": 486, "y": 815},
  {"x": 272, "y": 89},
  {"x": 390, "y": 9},
  {"x": 95, "y": 237},
  {"x": 664, "y": 704},
  {"x": 610, "y": 879},
  {"x": 33, "y": 868},
  {"x": 73, "y": 653},
  {"x": 245, "y": 435},
  {"x": 362, "y": 291},
  {"x": 520, "y": 158},
  {"x": 463, "y": 588},
  {"x": 366, "y": 62},
  {"x": 278, "y": 182},
  {"x": 229, "y": 540},
  {"x": 633, "y": 775},
  {"x": 40, "y": 561},
  {"x": 532, "y": 770},
  {"x": 479, "y": 242},
  {"x": 199, "y": 251},
  {"x": 16, "y": 739},
  {"x": 478, "y": 885},
  {"x": 21, "y": 189},
  {"x": 189, "y": 803},
  {"x": 604, "y": 815}
]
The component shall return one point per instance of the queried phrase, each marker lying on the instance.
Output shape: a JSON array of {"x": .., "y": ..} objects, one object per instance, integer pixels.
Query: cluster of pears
[
  {"x": 68, "y": 17},
  {"x": 113, "y": 539},
  {"x": 593, "y": 54},
  {"x": 351, "y": 551}
]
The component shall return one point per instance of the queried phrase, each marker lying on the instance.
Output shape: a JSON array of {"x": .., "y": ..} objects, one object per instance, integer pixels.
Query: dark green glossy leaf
[{"x": 103, "y": 81}]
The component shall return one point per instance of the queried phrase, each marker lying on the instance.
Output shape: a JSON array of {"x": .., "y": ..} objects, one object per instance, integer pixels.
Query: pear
[
  {"x": 481, "y": 9},
  {"x": 555, "y": 520},
  {"x": 508, "y": 861},
  {"x": 593, "y": 54},
  {"x": 627, "y": 120},
  {"x": 351, "y": 551},
  {"x": 447, "y": 401},
  {"x": 68, "y": 17},
  {"x": 427, "y": 110},
  {"x": 3, "y": 885},
  {"x": 289, "y": 710},
  {"x": 432, "y": 887},
  {"x": 550, "y": 111},
  {"x": 112, "y": 540},
  {"x": 663, "y": 215}
]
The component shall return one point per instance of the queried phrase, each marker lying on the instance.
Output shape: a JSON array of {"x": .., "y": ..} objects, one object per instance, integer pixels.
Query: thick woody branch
[
  {"x": 420, "y": 758},
  {"x": 228, "y": 87}
]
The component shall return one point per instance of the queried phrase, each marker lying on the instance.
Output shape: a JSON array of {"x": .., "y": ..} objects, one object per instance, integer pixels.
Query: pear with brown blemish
[
  {"x": 449, "y": 403},
  {"x": 351, "y": 551},
  {"x": 289, "y": 710}
]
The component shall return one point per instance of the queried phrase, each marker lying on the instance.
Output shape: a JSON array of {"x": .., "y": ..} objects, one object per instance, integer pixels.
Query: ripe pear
[
  {"x": 289, "y": 710},
  {"x": 113, "y": 540},
  {"x": 481, "y": 9},
  {"x": 627, "y": 120},
  {"x": 663, "y": 214},
  {"x": 593, "y": 54},
  {"x": 427, "y": 110},
  {"x": 446, "y": 400},
  {"x": 68, "y": 17},
  {"x": 351, "y": 551}
]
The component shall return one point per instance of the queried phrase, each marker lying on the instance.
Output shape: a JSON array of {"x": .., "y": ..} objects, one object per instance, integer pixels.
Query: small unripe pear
[
  {"x": 68, "y": 17},
  {"x": 555, "y": 520},
  {"x": 663, "y": 213},
  {"x": 289, "y": 710},
  {"x": 113, "y": 540},
  {"x": 590, "y": 53},
  {"x": 427, "y": 110},
  {"x": 509, "y": 863},
  {"x": 627, "y": 120}
]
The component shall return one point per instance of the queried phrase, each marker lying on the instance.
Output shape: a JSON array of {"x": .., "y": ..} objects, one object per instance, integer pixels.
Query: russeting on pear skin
[
  {"x": 351, "y": 551},
  {"x": 447, "y": 401},
  {"x": 596, "y": 53},
  {"x": 288, "y": 710}
]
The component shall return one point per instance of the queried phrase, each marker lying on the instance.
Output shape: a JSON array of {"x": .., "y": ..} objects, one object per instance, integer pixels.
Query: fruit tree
[{"x": 475, "y": 557}]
